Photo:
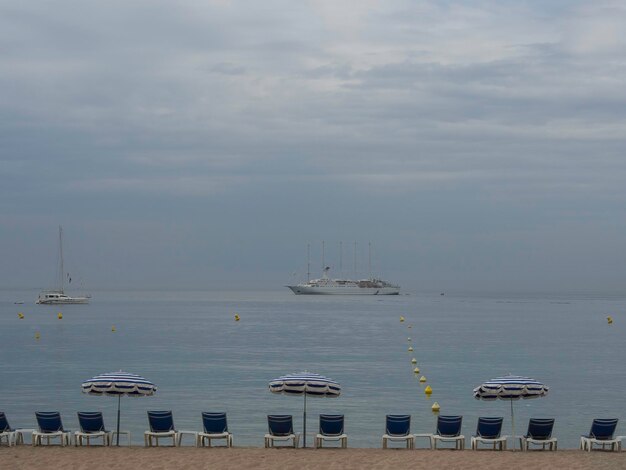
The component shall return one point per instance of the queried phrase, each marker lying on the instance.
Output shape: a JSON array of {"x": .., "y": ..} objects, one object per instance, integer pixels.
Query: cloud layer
[{"x": 472, "y": 142}]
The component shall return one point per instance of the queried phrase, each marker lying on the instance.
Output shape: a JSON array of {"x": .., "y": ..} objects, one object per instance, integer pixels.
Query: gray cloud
[{"x": 218, "y": 138}]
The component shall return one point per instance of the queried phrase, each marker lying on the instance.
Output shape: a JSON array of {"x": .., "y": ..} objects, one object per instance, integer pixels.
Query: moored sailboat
[{"x": 57, "y": 295}]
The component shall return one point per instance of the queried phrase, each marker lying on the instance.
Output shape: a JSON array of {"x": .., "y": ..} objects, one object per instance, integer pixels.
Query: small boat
[{"x": 58, "y": 296}]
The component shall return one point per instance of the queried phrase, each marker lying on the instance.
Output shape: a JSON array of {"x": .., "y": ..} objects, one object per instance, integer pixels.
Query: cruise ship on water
[{"x": 327, "y": 286}]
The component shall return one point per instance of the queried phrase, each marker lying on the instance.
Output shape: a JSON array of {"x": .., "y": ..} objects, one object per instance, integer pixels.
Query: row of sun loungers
[{"x": 331, "y": 428}]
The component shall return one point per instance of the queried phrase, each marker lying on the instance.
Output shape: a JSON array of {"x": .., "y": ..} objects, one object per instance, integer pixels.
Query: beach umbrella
[
  {"x": 118, "y": 384},
  {"x": 305, "y": 383},
  {"x": 511, "y": 387}
]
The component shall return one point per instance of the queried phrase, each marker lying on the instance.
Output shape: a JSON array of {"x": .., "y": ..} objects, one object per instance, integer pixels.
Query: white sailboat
[{"x": 58, "y": 296}]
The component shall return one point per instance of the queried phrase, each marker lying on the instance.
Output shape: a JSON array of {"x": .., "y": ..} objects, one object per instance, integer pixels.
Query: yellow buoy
[
  {"x": 413, "y": 361},
  {"x": 37, "y": 335},
  {"x": 113, "y": 328},
  {"x": 416, "y": 370},
  {"x": 609, "y": 319},
  {"x": 410, "y": 348},
  {"x": 236, "y": 317},
  {"x": 60, "y": 316},
  {"x": 428, "y": 390},
  {"x": 401, "y": 319},
  {"x": 435, "y": 408},
  {"x": 20, "y": 315},
  {"x": 422, "y": 379}
]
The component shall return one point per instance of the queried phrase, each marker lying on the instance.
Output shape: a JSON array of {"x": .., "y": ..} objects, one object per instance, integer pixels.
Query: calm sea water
[{"x": 189, "y": 344}]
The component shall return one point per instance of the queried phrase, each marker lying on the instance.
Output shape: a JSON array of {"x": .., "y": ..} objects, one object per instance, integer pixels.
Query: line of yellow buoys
[{"x": 428, "y": 390}]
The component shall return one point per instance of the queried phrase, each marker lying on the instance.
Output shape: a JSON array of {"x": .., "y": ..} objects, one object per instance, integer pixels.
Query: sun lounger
[
  {"x": 91, "y": 427},
  {"x": 488, "y": 432},
  {"x": 398, "y": 429},
  {"x": 539, "y": 433},
  {"x": 281, "y": 430},
  {"x": 331, "y": 429},
  {"x": 161, "y": 426},
  {"x": 215, "y": 427},
  {"x": 448, "y": 430},
  {"x": 601, "y": 433},
  {"x": 6, "y": 431},
  {"x": 50, "y": 427}
]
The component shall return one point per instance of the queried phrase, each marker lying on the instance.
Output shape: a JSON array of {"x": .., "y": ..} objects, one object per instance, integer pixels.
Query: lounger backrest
[
  {"x": 49, "y": 421},
  {"x": 489, "y": 428},
  {"x": 540, "y": 429},
  {"x": 280, "y": 425},
  {"x": 214, "y": 423},
  {"x": 90, "y": 421},
  {"x": 398, "y": 425},
  {"x": 449, "y": 426},
  {"x": 161, "y": 421},
  {"x": 331, "y": 425},
  {"x": 4, "y": 423},
  {"x": 603, "y": 428}
]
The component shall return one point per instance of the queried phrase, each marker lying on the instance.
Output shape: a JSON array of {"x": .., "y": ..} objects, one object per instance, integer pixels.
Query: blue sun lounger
[
  {"x": 6, "y": 431},
  {"x": 488, "y": 432},
  {"x": 448, "y": 430},
  {"x": 281, "y": 429},
  {"x": 539, "y": 433},
  {"x": 215, "y": 426},
  {"x": 161, "y": 426},
  {"x": 601, "y": 433},
  {"x": 331, "y": 429},
  {"x": 50, "y": 427},
  {"x": 398, "y": 428},
  {"x": 91, "y": 427}
]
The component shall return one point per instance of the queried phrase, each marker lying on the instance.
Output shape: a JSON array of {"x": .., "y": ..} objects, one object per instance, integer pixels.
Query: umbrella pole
[
  {"x": 513, "y": 424},
  {"x": 304, "y": 419},
  {"x": 119, "y": 397}
]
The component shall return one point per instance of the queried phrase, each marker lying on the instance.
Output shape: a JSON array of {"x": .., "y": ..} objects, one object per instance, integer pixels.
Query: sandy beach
[{"x": 26, "y": 457}]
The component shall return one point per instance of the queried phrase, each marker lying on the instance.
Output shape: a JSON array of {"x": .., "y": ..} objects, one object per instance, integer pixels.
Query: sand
[{"x": 26, "y": 457}]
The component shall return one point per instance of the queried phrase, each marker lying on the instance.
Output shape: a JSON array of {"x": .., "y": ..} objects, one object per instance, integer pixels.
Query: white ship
[
  {"x": 58, "y": 296},
  {"x": 328, "y": 286}
]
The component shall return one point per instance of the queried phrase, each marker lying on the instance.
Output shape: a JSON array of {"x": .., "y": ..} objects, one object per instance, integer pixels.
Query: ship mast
[
  {"x": 61, "y": 270},
  {"x": 340, "y": 260},
  {"x": 369, "y": 250},
  {"x": 355, "y": 276},
  {"x": 308, "y": 262}
]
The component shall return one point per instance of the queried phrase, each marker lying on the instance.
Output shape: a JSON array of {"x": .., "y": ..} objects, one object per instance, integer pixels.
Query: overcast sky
[{"x": 476, "y": 144}]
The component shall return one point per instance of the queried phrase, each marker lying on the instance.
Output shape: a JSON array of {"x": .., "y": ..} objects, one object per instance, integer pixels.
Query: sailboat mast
[
  {"x": 308, "y": 262},
  {"x": 61, "y": 269},
  {"x": 340, "y": 260},
  {"x": 323, "y": 261},
  {"x": 355, "y": 276},
  {"x": 369, "y": 252}
]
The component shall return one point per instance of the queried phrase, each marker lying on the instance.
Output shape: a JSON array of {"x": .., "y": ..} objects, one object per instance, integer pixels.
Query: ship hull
[
  {"x": 343, "y": 290},
  {"x": 59, "y": 298},
  {"x": 77, "y": 300}
]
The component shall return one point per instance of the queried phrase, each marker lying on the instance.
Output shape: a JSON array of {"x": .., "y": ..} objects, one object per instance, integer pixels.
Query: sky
[{"x": 477, "y": 145}]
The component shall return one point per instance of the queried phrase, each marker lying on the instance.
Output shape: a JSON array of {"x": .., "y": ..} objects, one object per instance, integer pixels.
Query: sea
[{"x": 201, "y": 359}]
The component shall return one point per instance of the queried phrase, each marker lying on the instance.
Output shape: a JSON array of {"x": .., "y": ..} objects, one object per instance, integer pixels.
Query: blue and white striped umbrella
[
  {"x": 305, "y": 383},
  {"x": 119, "y": 384},
  {"x": 511, "y": 387}
]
